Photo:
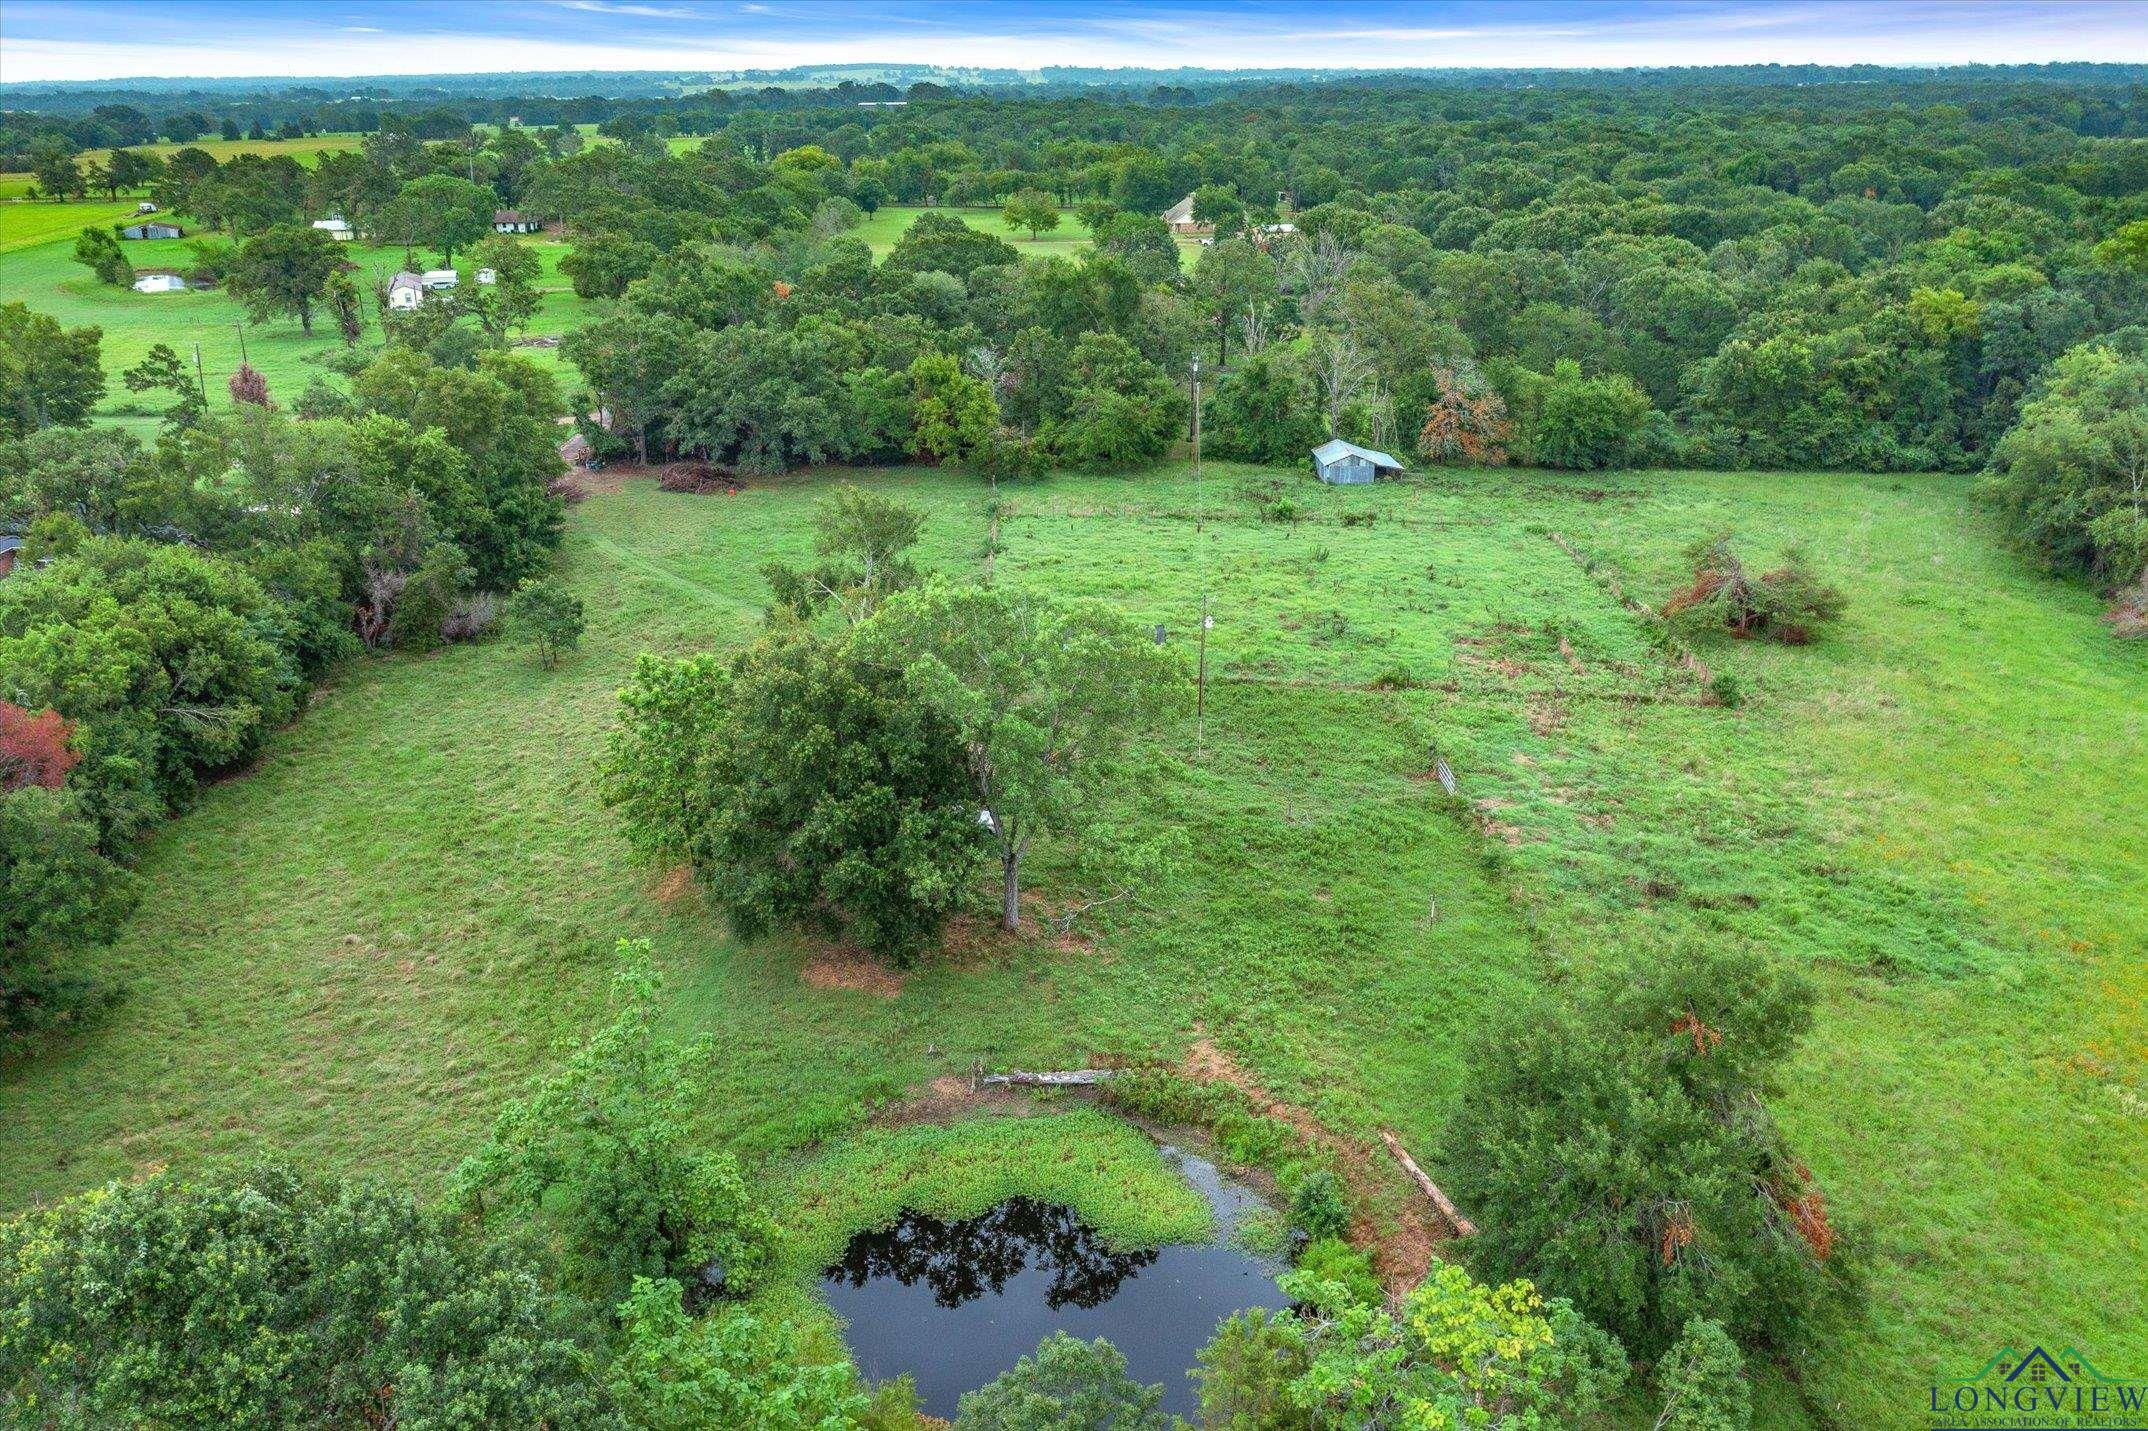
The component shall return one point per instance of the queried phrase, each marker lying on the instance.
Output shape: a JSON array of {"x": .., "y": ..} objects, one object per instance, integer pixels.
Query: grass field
[
  {"x": 352, "y": 954},
  {"x": 885, "y": 225},
  {"x": 305, "y": 151},
  {"x": 43, "y": 273},
  {"x": 30, "y": 224}
]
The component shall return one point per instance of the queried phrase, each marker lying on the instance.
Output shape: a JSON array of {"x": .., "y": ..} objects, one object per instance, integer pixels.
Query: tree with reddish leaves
[
  {"x": 1466, "y": 424},
  {"x": 247, "y": 385},
  {"x": 34, "y": 748}
]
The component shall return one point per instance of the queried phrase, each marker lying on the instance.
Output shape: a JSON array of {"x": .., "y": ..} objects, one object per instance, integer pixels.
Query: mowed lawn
[
  {"x": 351, "y": 954},
  {"x": 29, "y": 223},
  {"x": 46, "y": 276}
]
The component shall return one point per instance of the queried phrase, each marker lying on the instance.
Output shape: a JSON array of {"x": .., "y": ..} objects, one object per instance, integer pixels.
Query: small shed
[
  {"x": 145, "y": 207},
  {"x": 513, "y": 221},
  {"x": 10, "y": 548},
  {"x": 158, "y": 281},
  {"x": 1347, "y": 464},
  {"x": 405, "y": 292},
  {"x": 152, "y": 231},
  {"x": 486, "y": 275},
  {"x": 336, "y": 229}
]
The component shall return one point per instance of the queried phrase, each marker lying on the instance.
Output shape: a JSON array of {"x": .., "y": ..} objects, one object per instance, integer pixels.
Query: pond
[{"x": 955, "y": 1303}]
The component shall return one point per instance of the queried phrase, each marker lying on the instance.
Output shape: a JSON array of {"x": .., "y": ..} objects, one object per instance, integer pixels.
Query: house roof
[
  {"x": 10, "y": 544},
  {"x": 404, "y": 280},
  {"x": 1334, "y": 449},
  {"x": 1179, "y": 212},
  {"x": 507, "y": 216}
]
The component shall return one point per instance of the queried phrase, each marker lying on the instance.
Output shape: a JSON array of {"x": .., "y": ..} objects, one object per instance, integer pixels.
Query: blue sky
[{"x": 101, "y": 39}]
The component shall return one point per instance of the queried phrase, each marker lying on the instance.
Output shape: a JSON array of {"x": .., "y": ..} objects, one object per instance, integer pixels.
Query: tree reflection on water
[{"x": 961, "y": 1261}]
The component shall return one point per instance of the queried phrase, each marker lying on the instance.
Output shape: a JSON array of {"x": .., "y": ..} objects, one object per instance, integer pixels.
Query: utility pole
[
  {"x": 200, "y": 382},
  {"x": 240, "y": 329}
]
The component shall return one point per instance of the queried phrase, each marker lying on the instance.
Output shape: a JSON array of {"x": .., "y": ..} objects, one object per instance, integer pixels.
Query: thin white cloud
[{"x": 602, "y": 7}]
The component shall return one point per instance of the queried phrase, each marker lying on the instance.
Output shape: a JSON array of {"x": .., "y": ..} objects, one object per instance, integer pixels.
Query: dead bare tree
[
  {"x": 1313, "y": 274},
  {"x": 1343, "y": 370}
]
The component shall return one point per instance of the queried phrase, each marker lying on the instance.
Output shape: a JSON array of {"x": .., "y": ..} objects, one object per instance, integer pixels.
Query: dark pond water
[{"x": 954, "y": 1304}]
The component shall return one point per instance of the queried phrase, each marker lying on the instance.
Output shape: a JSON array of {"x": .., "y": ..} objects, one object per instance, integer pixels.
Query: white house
[
  {"x": 510, "y": 221},
  {"x": 336, "y": 229},
  {"x": 158, "y": 283},
  {"x": 405, "y": 292},
  {"x": 437, "y": 279}
]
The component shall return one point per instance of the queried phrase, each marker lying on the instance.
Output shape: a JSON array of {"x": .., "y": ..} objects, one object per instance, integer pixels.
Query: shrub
[
  {"x": 1617, "y": 1149},
  {"x": 1466, "y": 424},
  {"x": 35, "y": 748},
  {"x": 1586, "y": 423},
  {"x": 1318, "y": 1205},
  {"x": 1790, "y": 603},
  {"x": 1458, "y": 1353},
  {"x": 1702, "y": 1382},
  {"x": 606, "y": 1145},
  {"x": 248, "y": 386},
  {"x": 472, "y": 617},
  {"x": 548, "y": 616},
  {"x": 1248, "y": 1371},
  {"x": 1332, "y": 1260},
  {"x": 260, "y": 1298},
  {"x": 2068, "y": 478},
  {"x": 1068, "y": 1385},
  {"x": 674, "y": 1372},
  {"x": 57, "y": 892}
]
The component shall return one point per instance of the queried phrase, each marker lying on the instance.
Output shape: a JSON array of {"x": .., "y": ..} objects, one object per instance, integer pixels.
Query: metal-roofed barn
[{"x": 1347, "y": 464}]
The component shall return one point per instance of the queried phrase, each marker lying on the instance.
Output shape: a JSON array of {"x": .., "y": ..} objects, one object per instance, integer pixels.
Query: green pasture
[
  {"x": 47, "y": 277},
  {"x": 887, "y": 224},
  {"x": 353, "y": 954}
]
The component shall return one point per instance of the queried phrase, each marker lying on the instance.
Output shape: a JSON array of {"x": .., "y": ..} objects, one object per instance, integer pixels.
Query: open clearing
[
  {"x": 355, "y": 952},
  {"x": 43, "y": 269}
]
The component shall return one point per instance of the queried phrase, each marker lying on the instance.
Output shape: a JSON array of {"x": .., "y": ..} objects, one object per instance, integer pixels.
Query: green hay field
[
  {"x": 352, "y": 954},
  {"x": 44, "y": 274}
]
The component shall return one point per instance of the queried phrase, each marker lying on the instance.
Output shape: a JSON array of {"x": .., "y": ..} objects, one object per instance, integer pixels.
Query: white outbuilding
[
  {"x": 158, "y": 283},
  {"x": 336, "y": 229}
]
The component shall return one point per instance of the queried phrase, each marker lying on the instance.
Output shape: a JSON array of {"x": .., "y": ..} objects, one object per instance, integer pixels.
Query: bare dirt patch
[
  {"x": 1400, "y": 1235},
  {"x": 673, "y": 885},
  {"x": 839, "y": 968},
  {"x": 949, "y": 1097}
]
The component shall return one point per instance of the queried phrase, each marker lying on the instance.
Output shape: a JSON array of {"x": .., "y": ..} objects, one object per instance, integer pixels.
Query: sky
[{"x": 107, "y": 39}]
